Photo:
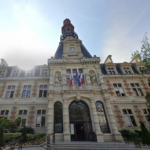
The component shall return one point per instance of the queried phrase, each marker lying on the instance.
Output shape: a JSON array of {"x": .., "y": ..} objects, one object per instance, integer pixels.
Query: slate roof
[
  {"x": 102, "y": 67},
  {"x": 59, "y": 52}
]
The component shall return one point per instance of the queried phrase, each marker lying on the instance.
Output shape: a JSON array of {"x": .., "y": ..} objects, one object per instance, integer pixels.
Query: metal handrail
[
  {"x": 128, "y": 137},
  {"x": 12, "y": 145},
  {"x": 49, "y": 139}
]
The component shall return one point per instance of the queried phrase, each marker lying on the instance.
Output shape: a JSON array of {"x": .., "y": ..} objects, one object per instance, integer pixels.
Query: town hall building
[{"x": 112, "y": 96}]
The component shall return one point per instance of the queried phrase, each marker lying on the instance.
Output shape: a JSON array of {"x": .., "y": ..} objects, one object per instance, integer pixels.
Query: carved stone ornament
[
  {"x": 93, "y": 77},
  {"x": 57, "y": 77}
]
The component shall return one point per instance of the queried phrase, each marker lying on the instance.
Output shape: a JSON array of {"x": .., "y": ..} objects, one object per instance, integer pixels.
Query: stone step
[{"x": 92, "y": 146}]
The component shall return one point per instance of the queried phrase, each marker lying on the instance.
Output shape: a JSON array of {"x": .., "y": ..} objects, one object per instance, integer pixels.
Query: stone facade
[{"x": 119, "y": 89}]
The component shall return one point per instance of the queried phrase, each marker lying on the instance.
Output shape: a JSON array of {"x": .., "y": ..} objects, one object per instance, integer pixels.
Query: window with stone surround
[
  {"x": 127, "y": 70},
  {"x": 58, "y": 118},
  {"x": 44, "y": 72},
  {"x": 68, "y": 71},
  {"x": 4, "y": 113},
  {"x": 16, "y": 73},
  {"x": 136, "y": 89},
  {"x": 26, "y": 91},
  {"x": 146, "y": 113},
  {"x": 2, "y": 73},
  {"x": 128, "y": 117},
  {"x": 43, "y": 91},
  {"x": 30, "y": 73},
  {"x": 10, "y": 92},
  {"x": 22, "y": 116},
  {"x": 118, "y": 89},
  {"x": 40, "y": 120},
  {"x": 111, "y": 71}
]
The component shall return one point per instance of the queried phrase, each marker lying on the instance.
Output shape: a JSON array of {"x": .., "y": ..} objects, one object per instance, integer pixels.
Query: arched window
[
  {"x": 102, "y": 117},
  {"x": 58, "y": 119}
]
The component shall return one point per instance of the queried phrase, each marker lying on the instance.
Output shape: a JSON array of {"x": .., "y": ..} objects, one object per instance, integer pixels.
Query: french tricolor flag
[
  {"x": 81, "y": 79},
  {"x": 70, "y": 81}
]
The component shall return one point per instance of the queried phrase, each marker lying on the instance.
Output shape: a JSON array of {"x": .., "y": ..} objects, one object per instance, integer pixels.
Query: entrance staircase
[{"x": 92, "y": 146}]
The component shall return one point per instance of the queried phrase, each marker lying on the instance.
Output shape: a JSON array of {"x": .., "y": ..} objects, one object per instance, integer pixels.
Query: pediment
[{"x": 108, "y": 59}]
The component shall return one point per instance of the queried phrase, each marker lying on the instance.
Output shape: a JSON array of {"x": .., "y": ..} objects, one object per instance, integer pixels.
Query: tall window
[
  {"x": 146, "y": 113},
  {"x": 127, "y": 71},
  {"x": 22, "y": 115},
  {"x": 43, "y": 91},
  {"x": 10, "y": 92},
  {"x": 119, "y": 90},
  {"x": 16, "y": 73},
  {"x": 26, "y": 91},
  {"x": 2, "y": 73},
  {"x": 102, "y": 117},
  {"x": 44, "y": 72},
  {"x": 129, "y": 118},
  {"x": 137, "y": 90},
  {"x": 111, "y": 71},
  {"x": 4, "y": 113},
  {"x": 58, "y": 121},
  {"x": 40, "y": 120}
]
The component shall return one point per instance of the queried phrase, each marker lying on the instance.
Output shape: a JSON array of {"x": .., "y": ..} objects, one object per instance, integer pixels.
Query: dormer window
[
  {"x": 2, "y": 73},
  {"x": 16, "y": 73},
  {"x": 44, "y": 72},
  {"x": 30, "y": 73},
  {"x": 127, "y": 71},
  {"x": 111, "y": 71}
]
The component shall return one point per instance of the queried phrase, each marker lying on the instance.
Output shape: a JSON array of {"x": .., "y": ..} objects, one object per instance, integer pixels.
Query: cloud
[{"x": 25, "y": 46}]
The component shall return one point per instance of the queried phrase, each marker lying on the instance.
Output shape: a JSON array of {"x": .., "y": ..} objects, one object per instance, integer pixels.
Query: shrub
[
  {"x": 128, "y": 134},
  {"x": 145, "y": 134},
  {"x": 29, "y": 130},
  {"x": 11, "y": 136},
  {"x": 14, "y": 136}
]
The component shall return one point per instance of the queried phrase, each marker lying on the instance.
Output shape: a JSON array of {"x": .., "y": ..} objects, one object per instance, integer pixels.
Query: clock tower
[{"x": 70, "y": 46}]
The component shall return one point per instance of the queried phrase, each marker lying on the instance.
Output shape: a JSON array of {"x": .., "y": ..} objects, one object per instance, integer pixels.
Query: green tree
[
  {"x": 1, "y": 136},
  {"x": 144, "y": 55},
  {"x": 145, "y": 134},
  {"x": 9, "y": 126},
  {"x": 24, "y": 134}
]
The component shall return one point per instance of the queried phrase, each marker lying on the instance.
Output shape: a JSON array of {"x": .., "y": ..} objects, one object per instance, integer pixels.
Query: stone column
[
  {"x": 113, "y": 123},
  {"x": 66, "y": 123},
  {"x": 50, "y": 117},
  {"x": 96, "y": 122}
]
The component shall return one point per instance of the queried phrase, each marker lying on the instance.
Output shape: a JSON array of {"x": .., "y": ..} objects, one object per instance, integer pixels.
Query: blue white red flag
[
  {"x": 81, "y": 79},
  {"x": 70, "y": 81}
]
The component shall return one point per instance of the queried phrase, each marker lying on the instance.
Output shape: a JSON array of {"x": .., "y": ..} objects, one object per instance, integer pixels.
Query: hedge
[{"x": 14, "y": 136}]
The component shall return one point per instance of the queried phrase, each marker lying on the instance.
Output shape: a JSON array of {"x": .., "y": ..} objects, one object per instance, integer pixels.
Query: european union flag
[{"x": 78, "y": 79}]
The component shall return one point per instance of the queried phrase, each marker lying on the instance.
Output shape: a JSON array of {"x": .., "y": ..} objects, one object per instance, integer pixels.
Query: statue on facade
[
  {"x": 58, "y": 78},
  {"x": 92, "y": 76}
]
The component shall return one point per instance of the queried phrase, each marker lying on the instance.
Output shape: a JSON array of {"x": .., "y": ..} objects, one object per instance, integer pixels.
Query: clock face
[{"x": 72, "y": 49}]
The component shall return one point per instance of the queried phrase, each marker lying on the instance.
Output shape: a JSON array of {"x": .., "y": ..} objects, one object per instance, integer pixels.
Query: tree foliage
[
  {"x": 9, "y": 126},
  {"x": 145, "y": 134},
  {"x": 144, "y": 56}
]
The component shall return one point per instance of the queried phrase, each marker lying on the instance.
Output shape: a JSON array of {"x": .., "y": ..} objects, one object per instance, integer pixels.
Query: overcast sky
[{"x": 30, "y": 29}]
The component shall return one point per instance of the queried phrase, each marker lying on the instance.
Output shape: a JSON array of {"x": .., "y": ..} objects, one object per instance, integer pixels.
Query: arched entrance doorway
[{"x": 80, "y": 122}]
